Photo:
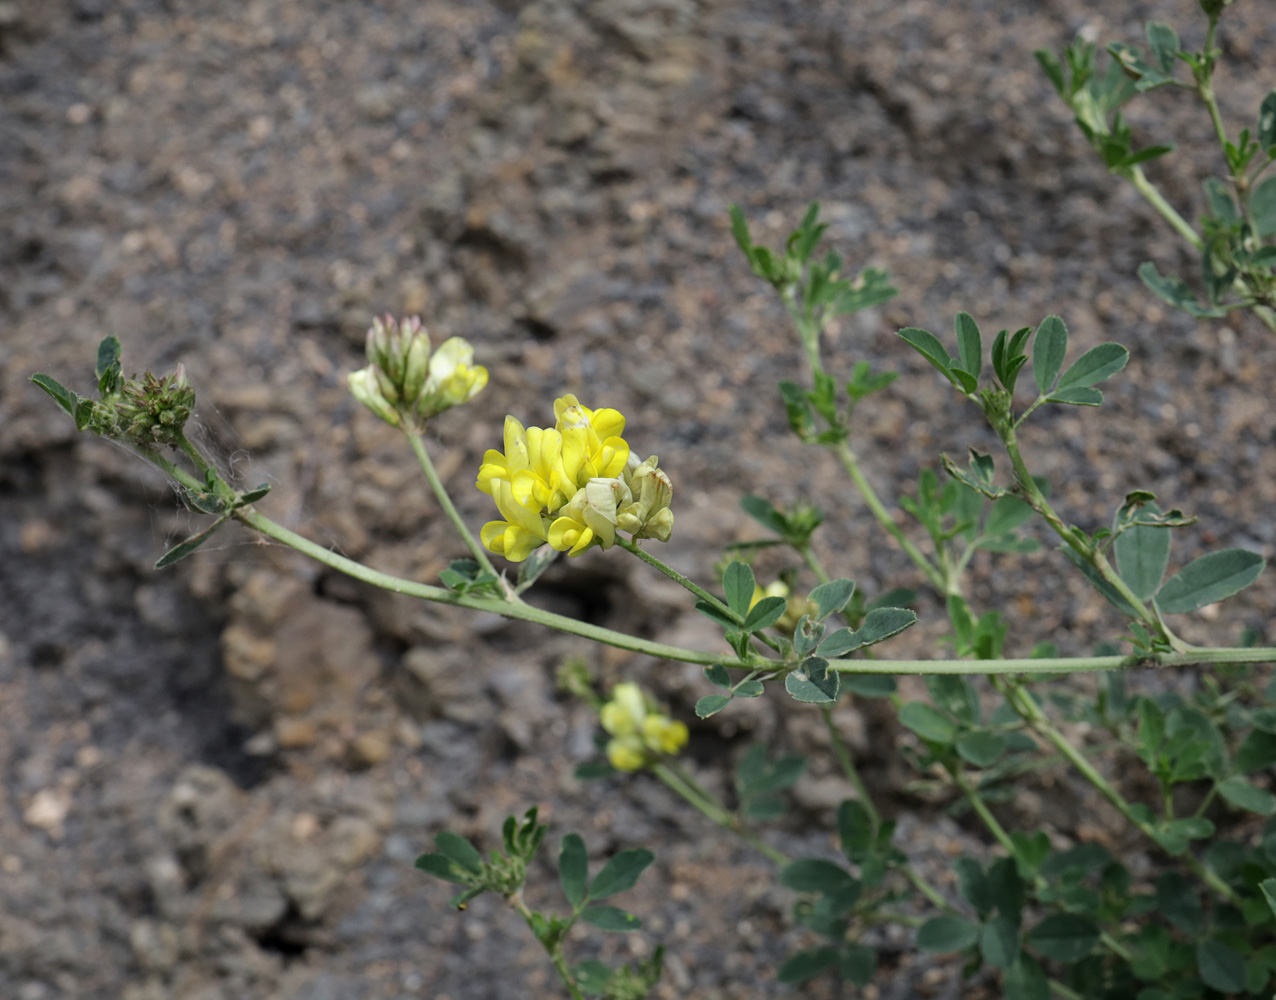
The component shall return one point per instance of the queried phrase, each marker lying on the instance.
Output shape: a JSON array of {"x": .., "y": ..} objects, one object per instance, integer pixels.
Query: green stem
[
  {"x": 507, "y": 609},
  {"x": 678, "y": 781},
  {"x": 848, "y": 768},
  {"x": 677, "y": 577},
  {"x": 445, "y": 501},
  {"x": 1058, "y": 665},
  {"x": 850, "y": 462},
  {"x": 1090, "y": 553},
  {"x": 1031, "y": 712},
  {"x": 175, "y": 472},
  {"x": 695, "y": 589},
  {"x": 999, "y": 833},
  {"x": 555, "y": 953},
  {"x": 1154, "y": 197}
]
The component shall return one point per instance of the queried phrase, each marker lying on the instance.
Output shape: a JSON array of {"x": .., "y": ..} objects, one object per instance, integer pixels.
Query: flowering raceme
[
  {"x": 571, "y": 486},
  {"x": 639, "y": 735}
]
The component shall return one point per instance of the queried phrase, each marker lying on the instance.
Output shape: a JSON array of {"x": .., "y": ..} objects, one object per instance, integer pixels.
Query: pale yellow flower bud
[
  {"x": 646, "y": 513},
  {"x": 366, "y": 388}
]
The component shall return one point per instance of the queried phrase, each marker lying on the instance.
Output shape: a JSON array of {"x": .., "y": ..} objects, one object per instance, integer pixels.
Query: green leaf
[
  {"x": 947, "y": 933},
  {"x": 63, "y": 396},
  {"x": 592, "y": 976},
  {"x": 718, "y": 676},
  {"x": 815, "y": 875},
  {"x": 758, "y": 776},
  {"x": 1256, "y": 752},
  {"x": 1265, "y": 133},
  {"x": 1268, "y": 885},
  {"x": 879, "y": 624},
  {"x": 1244, "y": 795},
  {"x": 459, "y": 850},
  {"x": 1005, "y": 515},
  {"x": 1049, "y": 348},
  {"x": 573, "y": 868},
  {"x": 869, "y": 685},
  {"x": 806, "y": 965},
  {"x": 1175, "y": 291},
  {"x": 972, "y": 885},
  {"x": 766, "y": 612},
  {"x": 1178, "y": 902},
  {"x": 1220, "y": 966},
  {"x": 1077, "y": 396},
  {"x": 1064, "y": 937},
  {"x": 1097, "y": 581},
  {"x": 183, "y": 549},
  {"x": 610, "y": 918},
  {"x": 1262, "y": 207},
  {"x": 1208, "y": 580},
  {"x": 970, "y": 350},
  {"x": 108, "y": 355},
  {"x": 711, "y": 704},
  {"x": 1025, "y": 980},
  {"x": 854, "y": 829},
  {"x": 748, "y": 689},
  {"x": 1142, "y": 553},
  {"x": 832, "y": 597},
  {"x": 713, "y": 614},
  {"x": 620, "y": 873},
  {"x": 1096, "y": 365},
  {"x": 1164, "y": 43},
  {"x": 928, "y": 345},
  {"x": 256, "y": 493},
  {"x": 740, "y": 230},
  {"x": 813, "y": 682},
  {"x": 858, "y": 964},
  {"x": 982, "y": 748},
  {"x": 927, "y": 723},
  {"x": 738, "y": 584},
  {"x": 999, "y": 942},
  {"x": 440, "y": 867},
  {"x": 764, "y": 513}
]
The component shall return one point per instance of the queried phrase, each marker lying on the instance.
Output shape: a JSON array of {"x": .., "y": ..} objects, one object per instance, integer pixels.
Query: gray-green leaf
[{"x": 1209, "y": 579}]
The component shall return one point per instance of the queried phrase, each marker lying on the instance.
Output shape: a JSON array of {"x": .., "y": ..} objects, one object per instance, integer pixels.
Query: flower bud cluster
[
  {"x": 405, "y": 381},
  {"x": 640, "y": 735},
  {"x": 154, "y": 408},
  {"x": 572, "y": 486}
]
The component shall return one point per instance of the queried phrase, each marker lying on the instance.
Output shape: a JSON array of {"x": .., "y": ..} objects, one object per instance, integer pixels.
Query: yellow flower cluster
[
  {"x": 405, "y": 381},
  {"x": 571, "y": 485},
  {"x": 639, "y": 735}
]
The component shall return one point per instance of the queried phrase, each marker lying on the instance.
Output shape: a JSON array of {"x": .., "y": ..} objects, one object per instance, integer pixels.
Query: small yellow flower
[
  {"x": 639, "y": 734},
  {"x": 571, "y": 485},
  {"x": 626, "y": 754},
  {"x": 663, "y": 734}
]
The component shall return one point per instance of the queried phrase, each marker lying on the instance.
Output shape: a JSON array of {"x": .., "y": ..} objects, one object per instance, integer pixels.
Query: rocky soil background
[{"x": 214, "y": 779}]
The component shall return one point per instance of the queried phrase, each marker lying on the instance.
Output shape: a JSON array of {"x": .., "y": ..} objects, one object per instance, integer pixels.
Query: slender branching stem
[
  {"x": 843, "y": 754},
  {"x": 445, "y": 501},
  {"x": 555, "y": 953}
]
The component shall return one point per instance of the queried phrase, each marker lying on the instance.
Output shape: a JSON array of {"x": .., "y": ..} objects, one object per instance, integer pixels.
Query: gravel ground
[{"x": 213, "y": 779}]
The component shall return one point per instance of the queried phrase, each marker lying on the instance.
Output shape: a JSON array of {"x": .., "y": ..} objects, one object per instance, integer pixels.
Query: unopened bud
[
  {"x": 365, "y": 386},
  {"x": 647, "y": 513}
]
